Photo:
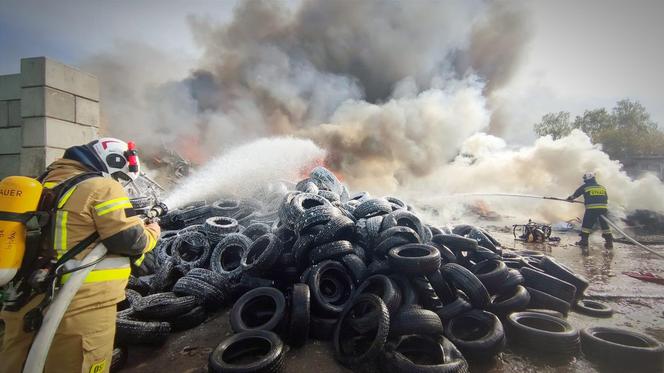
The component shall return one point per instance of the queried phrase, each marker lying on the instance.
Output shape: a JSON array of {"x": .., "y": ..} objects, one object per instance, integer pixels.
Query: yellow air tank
[{"x": 18, "y": 194}]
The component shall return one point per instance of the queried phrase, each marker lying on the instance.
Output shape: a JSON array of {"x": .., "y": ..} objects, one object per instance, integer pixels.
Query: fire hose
[
  {"x": 608, "y": 221},
  {"x": 44, "y": 338},
  {"x": 632, "y": 240}
]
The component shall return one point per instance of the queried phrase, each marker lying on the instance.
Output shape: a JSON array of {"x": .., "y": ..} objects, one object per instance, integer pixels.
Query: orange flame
[
  {"x": 322, "y": 162},
  {"x": 190, "y": 148}
]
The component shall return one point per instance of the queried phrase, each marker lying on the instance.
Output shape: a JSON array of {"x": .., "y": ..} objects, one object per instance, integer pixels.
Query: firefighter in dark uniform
[{"x": 595, "y": 200}]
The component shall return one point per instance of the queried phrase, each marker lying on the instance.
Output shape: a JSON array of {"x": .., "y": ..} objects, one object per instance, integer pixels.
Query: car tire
[
  {"x": 346, "y": 351},
  {"x": 562, "y": 272},
  {"x": 514, "y": 300},
  {"x": 250, "y": 351},
  {"x": 423, "y": 354},
  {"x": 300, "y": 315},
  {"x": 246, "y": 313},
  {"x": 337, "y": 229},
  {"x": 356, "y": 267},
  {"x": 546, "y": 312},
  {"x": 549, "y": 284},
  {"x": 455, "y": 242},
  {"x": 261, "y": 255},
  {"x": 426, "y": 294},
  {"x": 622, "y": 349},
  {"x": 415, "y": 320},
  {"x": 331, "y": 250},
  {"x": 191, "y": 250},
  {"x": 446, "y": 293},
  {"x": 135, "y": 332},
  {"x": 540, "y": 299},
  {"x": 118, "y": 359},
  {"x": 211, "y": 296},
  {"x": 384, "y": 288},
  {"x": 331, "y": 288},
  {"x": 188, "y": 320},
  {"x": 457, "y": 307},
  {"x": 408, "y": 294},
  {"x": 551, "y": 336},
  {"x": 372, "y": 207},
  {"x": 593, "y": 308},
  {"x": 477, "y": 334},
  {"x": 492, "y": 274},
  {"x": 514, "y": 278},
  {"x": 414, "y": 259},
  {"x": 163, "y": 306},
  {"x": 227, "y": 256},
  {"x": 467, "y": 282}
]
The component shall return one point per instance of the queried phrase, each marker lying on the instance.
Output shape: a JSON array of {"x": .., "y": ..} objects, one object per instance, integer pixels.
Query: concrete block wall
[
  {"x": 44, "y": 109},
  {"x": 10, "y": 124}
]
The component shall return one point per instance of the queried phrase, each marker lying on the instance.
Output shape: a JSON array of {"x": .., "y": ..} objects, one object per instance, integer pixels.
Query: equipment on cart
[{"x": 532, "y": 232}]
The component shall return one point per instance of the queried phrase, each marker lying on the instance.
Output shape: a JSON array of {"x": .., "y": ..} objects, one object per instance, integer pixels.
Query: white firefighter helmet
[
  {"x": 119, "y": 157},
  {"x": 588, "y": 175}
]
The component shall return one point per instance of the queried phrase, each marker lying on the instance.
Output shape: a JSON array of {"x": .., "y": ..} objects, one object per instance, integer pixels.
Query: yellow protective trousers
[{"x": 83, "y": 342}]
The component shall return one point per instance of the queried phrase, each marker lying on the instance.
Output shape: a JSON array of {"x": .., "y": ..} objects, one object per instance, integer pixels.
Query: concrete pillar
[
  {"x": 45, "y": 109},
  {"x": 10, "y": 124}
]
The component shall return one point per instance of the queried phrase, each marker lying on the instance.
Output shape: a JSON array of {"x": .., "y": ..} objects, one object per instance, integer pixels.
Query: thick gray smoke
[
  {"x": 392, "y": 91},
  {"x": 397, "y": 85}
]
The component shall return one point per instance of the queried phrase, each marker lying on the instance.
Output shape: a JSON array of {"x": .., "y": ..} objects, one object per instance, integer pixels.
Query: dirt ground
[{"x": 637, "y": 304}]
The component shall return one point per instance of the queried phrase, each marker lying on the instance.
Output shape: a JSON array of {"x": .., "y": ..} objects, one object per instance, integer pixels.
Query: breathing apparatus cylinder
[{"x": 18, "y": 194}]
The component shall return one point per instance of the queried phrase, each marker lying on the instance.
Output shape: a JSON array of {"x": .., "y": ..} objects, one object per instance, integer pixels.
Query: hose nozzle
[{"x": 157, "y": 210}]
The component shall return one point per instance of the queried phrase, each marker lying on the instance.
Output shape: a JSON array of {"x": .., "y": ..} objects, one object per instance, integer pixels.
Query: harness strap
[
  {"x": 77, "y": 249},
  {"x": 31, "y": 219}
]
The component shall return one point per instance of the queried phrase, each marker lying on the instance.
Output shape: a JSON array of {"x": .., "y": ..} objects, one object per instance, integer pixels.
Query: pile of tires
[{"x": 366, "y": 273}]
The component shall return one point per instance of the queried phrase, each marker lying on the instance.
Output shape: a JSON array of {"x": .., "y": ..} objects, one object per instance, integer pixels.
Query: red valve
[{"x": 132, "y": 156}]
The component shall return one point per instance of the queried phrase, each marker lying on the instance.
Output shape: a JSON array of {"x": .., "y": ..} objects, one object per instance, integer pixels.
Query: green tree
[
  {"x": 632, "y": 133},
  {"x": 624, "y": 132},
  {"x": 621, "y": 143},
  {"x": 593, "y": 122},
  {"x": 632, "y": 115},
  {"x": 555, "y": 124}
]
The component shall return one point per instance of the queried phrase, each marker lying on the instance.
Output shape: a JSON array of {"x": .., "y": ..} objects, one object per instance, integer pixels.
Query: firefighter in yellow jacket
[{"x": 84, "y": 339}]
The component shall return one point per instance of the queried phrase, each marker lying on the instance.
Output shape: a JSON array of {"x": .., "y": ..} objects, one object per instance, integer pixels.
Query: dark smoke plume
[{"x": 389, "y": 88}]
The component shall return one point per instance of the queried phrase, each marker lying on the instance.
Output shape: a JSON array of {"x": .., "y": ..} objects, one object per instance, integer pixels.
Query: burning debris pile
[
  {"x": 365, "y": 273},
  {"x": 170, "y": 165},
  {"x": 646, "y": 222}
]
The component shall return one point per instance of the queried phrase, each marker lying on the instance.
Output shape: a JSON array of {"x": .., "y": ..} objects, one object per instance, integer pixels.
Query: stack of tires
[
  {"x": 366, "y": 273},
  {"x": 363, "y": 271}
]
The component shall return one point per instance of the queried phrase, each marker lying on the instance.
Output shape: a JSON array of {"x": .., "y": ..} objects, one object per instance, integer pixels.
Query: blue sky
[
  {"x": 583, "y": 54},
  {"x": 72, "y": 30}
]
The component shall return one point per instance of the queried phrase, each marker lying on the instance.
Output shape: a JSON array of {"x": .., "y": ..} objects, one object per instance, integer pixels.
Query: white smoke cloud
[
  {"x": 379, "y": 147},
  {"x": 547, "y": 168},
  {"x": 142, "y": 96}
]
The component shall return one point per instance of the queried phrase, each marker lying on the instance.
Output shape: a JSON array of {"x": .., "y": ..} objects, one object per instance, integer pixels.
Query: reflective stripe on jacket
[
  {"x": 594, "y": 195},
  {"x": 97, "y": 204}
]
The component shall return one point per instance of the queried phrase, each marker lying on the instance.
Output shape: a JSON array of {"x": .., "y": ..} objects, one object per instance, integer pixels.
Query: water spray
[
  {"x": 246, "y": 169},
  {"x": 515, "y": 195}
]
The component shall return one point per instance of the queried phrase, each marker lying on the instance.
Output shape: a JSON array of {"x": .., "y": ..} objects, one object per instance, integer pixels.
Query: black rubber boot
[
  {"x": 608, "y": 241},
  {"x": 584, "y": 240}
]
